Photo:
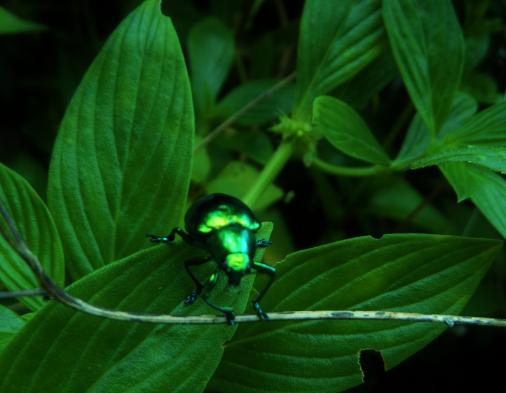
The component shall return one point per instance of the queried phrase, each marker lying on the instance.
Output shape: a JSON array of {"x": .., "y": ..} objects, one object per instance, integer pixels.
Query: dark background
[{"x": 40, "y": 71}]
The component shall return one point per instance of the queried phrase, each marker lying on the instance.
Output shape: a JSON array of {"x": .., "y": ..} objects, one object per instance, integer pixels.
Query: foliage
[{"x": 382, "y": 90}]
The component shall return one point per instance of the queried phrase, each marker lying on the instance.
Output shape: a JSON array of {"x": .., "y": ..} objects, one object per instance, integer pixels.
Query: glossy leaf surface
[
  {"x": 121, "y": 163},
  {"x": 10, "y": 324},
  {"x": 411, "y": 273}
]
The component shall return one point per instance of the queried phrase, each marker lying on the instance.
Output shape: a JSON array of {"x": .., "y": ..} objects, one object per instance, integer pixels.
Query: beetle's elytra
[{"x": 226, "y": 228}]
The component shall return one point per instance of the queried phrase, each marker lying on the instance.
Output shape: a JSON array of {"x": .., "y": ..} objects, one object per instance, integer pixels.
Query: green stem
[
  {"x": 349, "y": 171},
  {"x": 270, "y": 172}
]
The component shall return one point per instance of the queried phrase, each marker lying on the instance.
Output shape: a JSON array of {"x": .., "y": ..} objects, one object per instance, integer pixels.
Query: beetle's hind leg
[
  {"x": 194, "y": 262},
  {"x": 266, "y": 269},
  {"x": 211, "y": 283}
]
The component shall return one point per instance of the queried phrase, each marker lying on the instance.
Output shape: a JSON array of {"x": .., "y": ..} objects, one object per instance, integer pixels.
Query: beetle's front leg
[
  {"x": 193, "y": 262},
  {"x": 266, "y": 269},
  {"x": 171, "y": 236}
]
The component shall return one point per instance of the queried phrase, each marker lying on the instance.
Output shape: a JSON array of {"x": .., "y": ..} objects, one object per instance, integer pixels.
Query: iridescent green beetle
[{"x": 226, "y": 228}]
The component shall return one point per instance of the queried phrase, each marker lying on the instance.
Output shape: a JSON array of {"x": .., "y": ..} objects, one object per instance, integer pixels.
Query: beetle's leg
[
  {"x": 263, "y": 268},
  {"x": 193, "y": 262},
  {"x": 211, "y": 283},
  {"x": 171, "y": 236},
  {"x": 262, "y": 243}
]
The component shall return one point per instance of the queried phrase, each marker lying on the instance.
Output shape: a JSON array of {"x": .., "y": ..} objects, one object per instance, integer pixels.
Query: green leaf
[
  {"x": 417, "y": 139},
  {"x": 482, "y": 87},
  {"x": 268, "y": 109},
  {"x": 428, "y": 46},
  {"x": 125, "y": 356},
  {"x": 211, "y": 51},
  {"x": 121, "y": 162},
  {"x": 250, "y": 143},
  {"x": 36, "y": 225},
  {"x": 337, "y": 39},
  {"x": 485, "y": 188},
  {"x": 201, "y": 163},
  {"x": 236, "y": 178},
  {"x": 488, "y": 156},
  {"x": 11, "y": 24},
  {"x": 346, "y": 131},
  {"x": 408, "y": 273},
  {"x": 486, "y": 127},
  {"x": 10, "y": 324}
]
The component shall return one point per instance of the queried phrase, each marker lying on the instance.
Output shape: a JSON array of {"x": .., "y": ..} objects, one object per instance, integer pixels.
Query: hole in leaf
[{"x": 372, "y": 367}]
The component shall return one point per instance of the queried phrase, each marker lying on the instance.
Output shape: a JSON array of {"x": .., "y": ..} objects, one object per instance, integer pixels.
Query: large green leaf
[
  {"x": 101, "y": 355},
  {"x": 337, "y": 39},
  {"x": 211, "y": 51},
  {"x": 428, "y": 46},
  {"x": 121, "y": 162},
  {"x": 36, "y": 225},
  {"x": 10, "y": 324},
  {"x": 11, "y": 24},
  {"x": 346, "y": 131},
  {"x": 485, "y": 188},
  {"x": 410, "y": 273}
]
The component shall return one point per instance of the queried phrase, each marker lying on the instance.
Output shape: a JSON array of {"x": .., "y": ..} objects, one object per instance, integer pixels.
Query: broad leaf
[
  {"x": 409, "y": 273},
  {"x": 36, "y": 225},
  {"x": 336, "y": 41},
  {"x": 125, "y": 356},
  {"x": 211, "y": 51},
  {"x": 268, "y": 109},
  {"x": 121, "y": 162},
  {"x": 428, "y": 46},
  {"x": 11, "y": 24},
  {"x": 10, "y": 324},
  {"x": 236, "y": 178},
  {"x": 346, "y": 131},
  {"x": 485, "y": 188}
]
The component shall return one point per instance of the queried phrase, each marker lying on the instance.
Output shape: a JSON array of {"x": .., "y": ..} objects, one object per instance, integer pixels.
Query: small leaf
[
  {"x": 405, "y": 273},
  {"x": 235, "y": 180},
  {"x": 417, "y": 139},
  {"x": 485, "y": 188},
  {"x": 338, "y": 38},
  {"x": 486, "y": 127},
  {"x": 121, "y": 162},
  {"x": 211, "y": 51},
  {"x": 252, "y": 144},
  {"x": 346, "y": 131},
  {"x": 118, "y": 356},
  {"x": 10, "y": 324},
  {"x": 487, "y": 156},
  {"x": 268, "y": 109},
  {"x": 428, "y": 46},
  {"x": 33, "y": 220},
  {"x": 11, "y": 24}
]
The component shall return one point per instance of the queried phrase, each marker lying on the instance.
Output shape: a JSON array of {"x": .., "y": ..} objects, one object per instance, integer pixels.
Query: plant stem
[
  {"x": 61, "y": 296},
  {"x": 228, "y": 122},
  {"x": 270, "y": 172},
  {"x": 24, "y": 293},
  {"x": 349, "y": 171}
]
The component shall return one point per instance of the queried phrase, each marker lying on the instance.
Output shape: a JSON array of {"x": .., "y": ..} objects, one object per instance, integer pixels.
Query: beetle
[{"x": 226, "y": 228}]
